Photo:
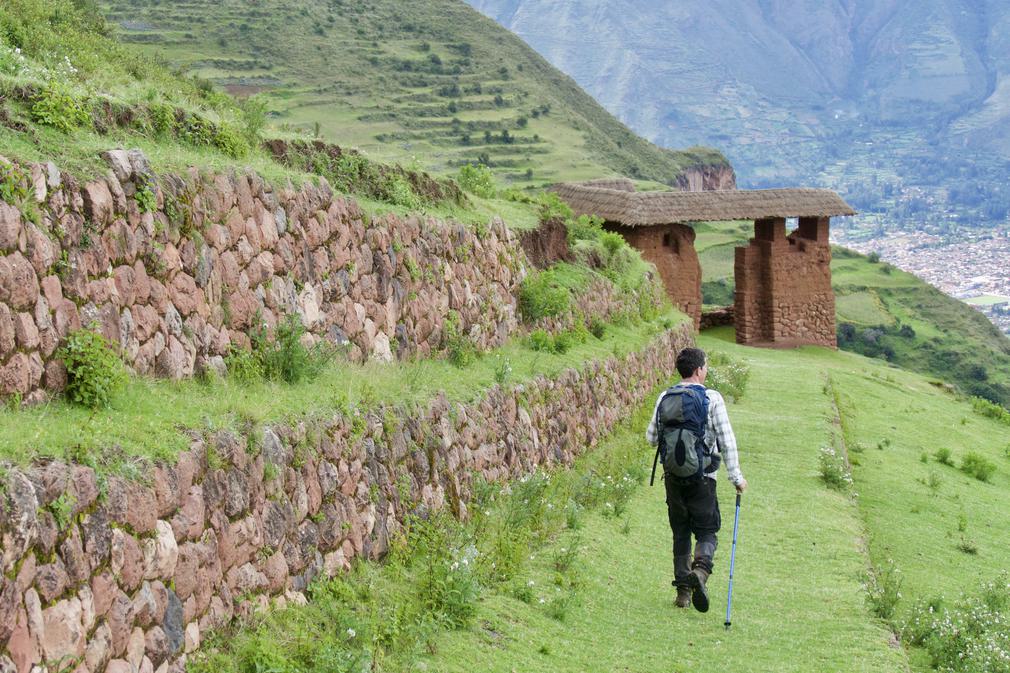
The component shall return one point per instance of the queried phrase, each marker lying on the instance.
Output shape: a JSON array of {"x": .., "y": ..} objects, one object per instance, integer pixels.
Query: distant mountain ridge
[{"x": 788, "y": 88}]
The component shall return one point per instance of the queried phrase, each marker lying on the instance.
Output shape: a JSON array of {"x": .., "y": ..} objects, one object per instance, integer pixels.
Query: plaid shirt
[{"x": 719, "y": 437}]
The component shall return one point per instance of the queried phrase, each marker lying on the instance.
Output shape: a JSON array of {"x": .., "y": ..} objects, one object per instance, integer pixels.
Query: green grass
[
  {"x": 862, "y": 308},
  {"x": 144, "y": 421},
  {"x": 799, "y": 602},
  {"x": 400, "y": 81}
]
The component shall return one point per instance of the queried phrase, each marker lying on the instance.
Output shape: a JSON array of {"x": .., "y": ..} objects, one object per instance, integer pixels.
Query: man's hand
[{"x": 741, "y": 486}]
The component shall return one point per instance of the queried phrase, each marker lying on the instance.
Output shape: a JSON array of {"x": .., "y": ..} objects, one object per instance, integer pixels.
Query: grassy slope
[
  {"x": 804, "y": 553},
  {"x": 799, "y": 603},
  {"x": 365, "y": 72},
  {"x": 798, "y": 600},
  {"x": 949, "y": 336}
]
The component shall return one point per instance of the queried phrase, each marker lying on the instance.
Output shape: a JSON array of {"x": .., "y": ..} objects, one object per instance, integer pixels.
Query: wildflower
[{"x": 351, "y": 633}]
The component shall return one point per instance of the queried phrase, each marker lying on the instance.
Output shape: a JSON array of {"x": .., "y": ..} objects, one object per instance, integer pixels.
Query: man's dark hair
[{"x": 689, "y": 360}]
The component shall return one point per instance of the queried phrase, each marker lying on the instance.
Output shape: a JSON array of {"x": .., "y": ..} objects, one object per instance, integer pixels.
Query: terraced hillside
[{"x": 431, "y": 83}]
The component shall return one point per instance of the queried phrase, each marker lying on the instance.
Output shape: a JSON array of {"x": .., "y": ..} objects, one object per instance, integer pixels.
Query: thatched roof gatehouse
[{"x": 783, "y": 283}]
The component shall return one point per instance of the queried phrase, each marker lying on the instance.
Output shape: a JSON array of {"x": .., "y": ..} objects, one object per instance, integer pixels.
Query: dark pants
[{"x": 693, "y": 509}]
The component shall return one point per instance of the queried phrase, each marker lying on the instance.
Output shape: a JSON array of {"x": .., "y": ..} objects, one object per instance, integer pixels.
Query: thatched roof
[{"x": 616, "y": 201}]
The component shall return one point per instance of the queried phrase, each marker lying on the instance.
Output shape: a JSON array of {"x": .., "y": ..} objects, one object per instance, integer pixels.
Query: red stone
[
  {"x": 120, "y": 621},
  {"x": 98, "y": 203},
  {"x": 23, "y": 644},
  {"x": 19, "y": 286},
  {"x": 7, "y": 334},
  {"x": 184, "y": 294},
  {"x": 103, "y": 589},
  {"x": 15, "y": 376},
  {"x": 10, "y": 226},
  {"x": 64, "y": 634}
]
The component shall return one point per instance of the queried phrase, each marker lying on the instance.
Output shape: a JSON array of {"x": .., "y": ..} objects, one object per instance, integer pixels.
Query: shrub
[
  {"x": 14, "y": 184},
  {"x": 285, "y": 357},
  {"x": 460, "y": 349},
  {"x": 942, "y": 456},
  {"x": 94, "y": 371},
  {"x": 55, "y": 106},
  {"x": 502, "y": 370},
  {"x": 147, "y": 200},
  {"x": 449, "y": 588},
  {"x": 397, "y": 190},
  {"x": 884, "y": 591},
  {"x": 612, "y": 242},
  {"x": 541, "y": 296},
  {"x": 585, "y": 228},
  {"x": 597, "y": 327},
  {"x": 162, "y": 119},
  {"x": 727, "y": 376},
  {"x": 978, "y": 466},
  {"x": 563, "y": 342},
  {"x": 243, "y": 365},
  {"x": 984, "y": 407},
  {"x": 969, "y": 636},
  {"x": 541, "y": 340},
  {"x": 834, "y": 471},
  {"x": 550, "y": 206},
  {"x": 477, "y": 180},
  {"x": 230, "y": 140}
]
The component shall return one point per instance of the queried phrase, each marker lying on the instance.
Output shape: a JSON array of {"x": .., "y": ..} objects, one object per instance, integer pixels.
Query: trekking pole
[{"x": 732, "y": 560}]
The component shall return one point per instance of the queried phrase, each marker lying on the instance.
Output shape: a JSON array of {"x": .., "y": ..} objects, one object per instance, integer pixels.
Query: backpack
[{"x": 681, "y": 420}]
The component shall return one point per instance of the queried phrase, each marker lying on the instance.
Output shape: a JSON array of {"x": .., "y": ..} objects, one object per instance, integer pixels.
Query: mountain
[
  {"x": 902, "y": 105},
  {"x": 433, "y": 83}
]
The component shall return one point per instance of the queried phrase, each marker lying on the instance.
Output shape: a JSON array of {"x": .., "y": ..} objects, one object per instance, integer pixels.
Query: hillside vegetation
[
  {"x": 430, "y": 83},
  {"x": 886, "y": 313},
  {"x": 834, "y": 572}
]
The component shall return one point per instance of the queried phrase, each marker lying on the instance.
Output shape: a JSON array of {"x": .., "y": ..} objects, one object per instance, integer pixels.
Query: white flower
[{"x": 351, "y": 633}]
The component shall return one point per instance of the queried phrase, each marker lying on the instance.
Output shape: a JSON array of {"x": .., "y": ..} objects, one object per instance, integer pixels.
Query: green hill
[
  {"x": 432, "y": 83},
  {"x": 827, "y": 579},
  {"x": 887, "y": 313}
]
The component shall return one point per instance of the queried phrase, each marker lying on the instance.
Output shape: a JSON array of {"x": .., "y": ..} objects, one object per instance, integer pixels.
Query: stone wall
[
  {"x": 671, "y": 248},
  {"x": 110, "y": 575},
  {"x": 176, "y": 287},
  {"x": 783, "y": 286}
]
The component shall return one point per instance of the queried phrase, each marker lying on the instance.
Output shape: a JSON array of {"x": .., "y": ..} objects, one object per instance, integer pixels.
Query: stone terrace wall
[
  {"x": 132, "y": 574},
  {"x": 176, "y": 287}
]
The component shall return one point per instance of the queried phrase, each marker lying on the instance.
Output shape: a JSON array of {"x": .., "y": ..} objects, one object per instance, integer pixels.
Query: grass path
[{"x": 799, "y": 603}]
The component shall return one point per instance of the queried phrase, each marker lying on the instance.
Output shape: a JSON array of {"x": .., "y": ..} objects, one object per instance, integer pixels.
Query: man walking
[{"x": 691, "y": 501}]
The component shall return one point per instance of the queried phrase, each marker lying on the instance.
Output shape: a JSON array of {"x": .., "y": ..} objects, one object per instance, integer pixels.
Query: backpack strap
[{"x": 659, "y": 436}]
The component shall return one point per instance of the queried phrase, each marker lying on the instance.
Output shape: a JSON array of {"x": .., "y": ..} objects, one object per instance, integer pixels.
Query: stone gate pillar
[
  {"x": 783, "y": 285},
  {"x": 671, "y": 248}
]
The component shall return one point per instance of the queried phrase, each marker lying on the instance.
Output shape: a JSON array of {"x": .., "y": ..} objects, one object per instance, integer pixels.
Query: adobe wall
[
  {"x": 671, "y": 248},
  {"x": 132, "y": 575},
  {"x": 783, "y": 286},
  {"x": 177, "y": 287}
]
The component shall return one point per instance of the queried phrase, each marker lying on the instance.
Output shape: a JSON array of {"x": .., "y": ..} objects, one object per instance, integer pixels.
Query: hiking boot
[
  {"x": 683, "y": 595},
  {"x": 699, "y": 594}
]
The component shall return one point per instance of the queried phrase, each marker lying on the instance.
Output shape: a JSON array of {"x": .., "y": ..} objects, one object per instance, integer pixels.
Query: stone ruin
[{"x": 783, "y": 282}]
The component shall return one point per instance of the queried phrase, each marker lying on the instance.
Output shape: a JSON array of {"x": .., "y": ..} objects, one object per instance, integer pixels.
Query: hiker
[{"x": 684, "y": 413}]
